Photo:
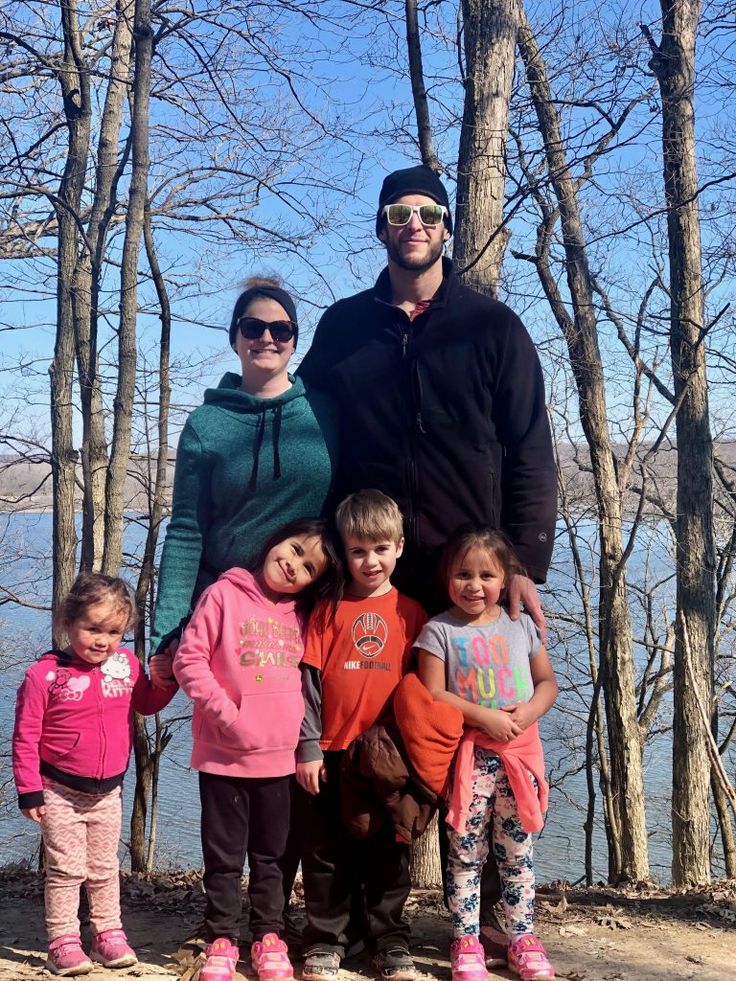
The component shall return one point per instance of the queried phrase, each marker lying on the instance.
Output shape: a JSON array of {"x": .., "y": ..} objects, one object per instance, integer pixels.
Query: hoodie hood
[
  {"x": 229, "y": 395},
  {"x": 245, "y": 581}
]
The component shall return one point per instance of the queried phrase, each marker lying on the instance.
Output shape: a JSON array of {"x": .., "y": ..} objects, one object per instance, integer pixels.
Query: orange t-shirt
[{"x": 362, "y": 656}]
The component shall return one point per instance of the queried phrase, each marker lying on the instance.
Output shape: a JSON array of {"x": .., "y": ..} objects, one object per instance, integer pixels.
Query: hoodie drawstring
[{"x": 275, "y": 437}]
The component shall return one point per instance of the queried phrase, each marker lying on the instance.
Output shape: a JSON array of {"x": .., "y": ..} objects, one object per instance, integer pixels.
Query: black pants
[
  {"x": 333, "y": 861},
  {"x": 243, "y": 816}
]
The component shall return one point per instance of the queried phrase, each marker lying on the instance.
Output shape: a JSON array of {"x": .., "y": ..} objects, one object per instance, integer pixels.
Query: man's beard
[{"x": 414, "y": 264}]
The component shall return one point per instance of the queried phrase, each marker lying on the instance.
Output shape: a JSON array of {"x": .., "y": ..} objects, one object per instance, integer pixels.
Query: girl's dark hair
[
  {"x": 487, "y": 540},
  {"x": 327, "y": 588},
  {"x": 90, "y": 589}
]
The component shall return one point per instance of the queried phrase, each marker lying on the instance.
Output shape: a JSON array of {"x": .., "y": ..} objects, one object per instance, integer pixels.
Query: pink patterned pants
[{"x": 81, "y": 833}]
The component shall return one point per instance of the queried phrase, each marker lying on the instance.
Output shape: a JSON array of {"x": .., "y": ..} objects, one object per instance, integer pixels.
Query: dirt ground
[{"x": 591, "y": 935}]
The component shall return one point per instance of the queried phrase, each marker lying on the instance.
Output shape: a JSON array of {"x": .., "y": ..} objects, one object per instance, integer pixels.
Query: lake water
[{"x": 558, "y": 851}]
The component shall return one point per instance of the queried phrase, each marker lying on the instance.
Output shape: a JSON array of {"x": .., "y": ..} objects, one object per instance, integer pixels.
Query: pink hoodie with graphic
[
  {"x": 74, "y": 722},
  {"x": 238, "y": 661}
]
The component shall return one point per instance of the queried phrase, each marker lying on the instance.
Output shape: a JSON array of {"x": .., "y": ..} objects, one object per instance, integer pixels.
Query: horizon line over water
[{"x": 559, "y": 850}]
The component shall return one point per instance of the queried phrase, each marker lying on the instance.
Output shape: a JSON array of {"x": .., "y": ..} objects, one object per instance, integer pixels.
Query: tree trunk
[
  {"x": 673, "y": 63},
  {"x": 147, "y": 763},
  {"x": 123, "y": 413},
  {"x": 489, "y": 34},
  {"x": 581, "y": 335},
  {"x": 87, "y": 281},
  {"x": 418, "y": 89},
  {"x": 426, "y": 868},
  {"x": 73, "y": 75}
]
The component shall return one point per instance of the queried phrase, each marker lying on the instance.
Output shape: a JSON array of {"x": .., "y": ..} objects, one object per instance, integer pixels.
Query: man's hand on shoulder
[{"x": 523, "y": 592}]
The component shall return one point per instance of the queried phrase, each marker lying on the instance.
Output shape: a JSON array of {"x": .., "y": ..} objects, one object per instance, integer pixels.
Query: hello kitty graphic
[
  {"x": 116, "y": 676},
  {"x": 65, "y": 688}
]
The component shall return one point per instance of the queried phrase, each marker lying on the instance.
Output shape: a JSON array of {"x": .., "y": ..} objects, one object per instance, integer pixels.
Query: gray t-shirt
[{"x": 487, "y": 663}]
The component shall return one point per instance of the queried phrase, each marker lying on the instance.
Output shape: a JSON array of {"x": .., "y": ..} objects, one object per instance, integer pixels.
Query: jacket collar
[{"x": 382, "y": 289}]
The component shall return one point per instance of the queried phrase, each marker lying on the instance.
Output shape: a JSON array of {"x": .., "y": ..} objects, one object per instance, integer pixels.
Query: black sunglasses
[{"x": 252, "y": 328}]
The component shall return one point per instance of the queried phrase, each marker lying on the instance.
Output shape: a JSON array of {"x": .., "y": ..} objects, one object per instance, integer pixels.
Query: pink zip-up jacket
[
  {"x": 238, "y": 661},
  {"x": 74, "y": 722}
]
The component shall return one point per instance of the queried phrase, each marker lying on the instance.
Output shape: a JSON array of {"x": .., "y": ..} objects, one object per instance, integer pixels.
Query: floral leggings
[{"x": 492, "y": 803}]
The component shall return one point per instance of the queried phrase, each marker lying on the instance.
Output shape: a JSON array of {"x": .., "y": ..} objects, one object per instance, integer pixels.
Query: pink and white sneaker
[
  {"x": 111, "y": 949},
  {"x": 528, "y": 959},
  {"x": 270, "y": 959},
  {"x": 468, "y": 959},
  {"x": 221, "y": 962},
  {"x": 66, "y": 957}
]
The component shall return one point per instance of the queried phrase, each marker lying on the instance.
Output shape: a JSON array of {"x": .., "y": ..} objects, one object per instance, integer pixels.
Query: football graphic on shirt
[{"x": 369, "y": 634}]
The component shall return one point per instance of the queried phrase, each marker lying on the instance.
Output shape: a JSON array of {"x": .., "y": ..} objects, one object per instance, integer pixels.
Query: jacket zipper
[
  {"x": 414, "y": 416},
  {"x": 101, "y": 716}
]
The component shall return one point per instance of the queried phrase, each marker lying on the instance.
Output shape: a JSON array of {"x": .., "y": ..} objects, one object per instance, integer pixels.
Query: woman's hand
[
  {"x": 309, "y": 775},
  {"x": 34, "y": 813},
  {"x": 499, "y": 725},
  {"x": 160, "y": 668}
]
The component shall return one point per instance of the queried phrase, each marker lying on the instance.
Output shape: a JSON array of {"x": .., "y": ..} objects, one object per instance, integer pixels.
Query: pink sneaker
[
  {"x": 111, "y": 949},
  {"x": 467, "y": 959},
  {"x": 66, "y": 957},
  {"x": 222, "y": 960},
  {"x": 528, "y": 959},
  {"x": 270, "y": 959}
]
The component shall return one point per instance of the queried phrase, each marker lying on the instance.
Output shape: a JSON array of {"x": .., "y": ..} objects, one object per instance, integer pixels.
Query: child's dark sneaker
[
  {"x": 221, "y": 960},
  {"x": 270, "y": 959},
  {"x": 66, "y": 957},
  {"x": 321, "y": 965},
  {"x": 111, "y": 949},
  {"x": 495, "y": 945},
  {"x": 528, "y": 959},
  {"x": 395, "y": 965}
]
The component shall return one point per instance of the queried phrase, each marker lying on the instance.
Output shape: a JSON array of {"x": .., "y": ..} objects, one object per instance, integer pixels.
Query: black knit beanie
[
  {"x": 267, "y": 292},
  {"x": 412, "y": 180}
]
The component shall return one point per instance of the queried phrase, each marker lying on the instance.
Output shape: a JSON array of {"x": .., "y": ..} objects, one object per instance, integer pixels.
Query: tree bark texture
[
  {"x": 87, "y": 282},
  {"x": 426, "y": 866},
  {"x": 138, "y": 195},
  {"x": 674, "y": 65},
  {"x": 581, "y": 335},
  {"x": 489, "y": 37},
  {"x": 73, "y": 75}
]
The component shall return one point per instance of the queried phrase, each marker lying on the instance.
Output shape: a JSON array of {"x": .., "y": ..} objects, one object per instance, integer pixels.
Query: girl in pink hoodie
[
  {"x": 238, "y": 661},
  {"x": 71, "y": 745}
]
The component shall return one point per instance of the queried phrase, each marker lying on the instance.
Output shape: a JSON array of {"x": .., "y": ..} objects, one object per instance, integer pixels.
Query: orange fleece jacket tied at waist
[{"x": 522, "y": 758}]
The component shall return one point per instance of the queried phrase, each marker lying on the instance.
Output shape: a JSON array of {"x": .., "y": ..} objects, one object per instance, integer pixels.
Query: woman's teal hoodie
[{"x": 244, "y": 467}]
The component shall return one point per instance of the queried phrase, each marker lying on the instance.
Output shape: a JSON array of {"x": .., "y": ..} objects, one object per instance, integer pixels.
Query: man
[
  {"x": 442, "y": 407},
  {"x": 441, "y": 398}
]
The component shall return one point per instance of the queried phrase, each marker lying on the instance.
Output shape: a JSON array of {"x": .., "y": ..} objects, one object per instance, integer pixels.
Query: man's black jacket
[{"x": 445, "y": 413}]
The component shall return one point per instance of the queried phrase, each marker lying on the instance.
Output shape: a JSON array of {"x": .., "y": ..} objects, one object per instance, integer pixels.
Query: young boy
[{"x": 350, "y": 669}]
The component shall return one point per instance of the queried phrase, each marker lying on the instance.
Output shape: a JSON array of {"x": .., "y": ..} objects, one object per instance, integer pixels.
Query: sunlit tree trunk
[
  {"x": 673, "y": 62},
  {"x": 581, "y": 335},
  {"x": 489, "y": 36}
]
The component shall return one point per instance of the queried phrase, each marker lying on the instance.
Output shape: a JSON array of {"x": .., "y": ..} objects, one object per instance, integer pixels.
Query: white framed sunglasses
[{"x": 400, "y": 214}]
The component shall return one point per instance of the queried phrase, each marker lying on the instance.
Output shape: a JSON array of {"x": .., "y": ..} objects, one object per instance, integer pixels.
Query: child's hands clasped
[
  {"x": 522, "y": 714},
  {"x": 309, "y": 775},
  {"x": 499, "y": 725},
  {"x": 160, "y": 666}
]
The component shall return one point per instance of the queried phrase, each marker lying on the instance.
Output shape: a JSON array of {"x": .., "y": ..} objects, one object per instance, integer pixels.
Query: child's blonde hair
[
  {"x": 369, "y": 515},
  {"x": 90, "y": 589}
]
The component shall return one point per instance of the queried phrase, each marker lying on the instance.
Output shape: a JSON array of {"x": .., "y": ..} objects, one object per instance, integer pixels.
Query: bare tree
[{"x": 673, "y": 62}]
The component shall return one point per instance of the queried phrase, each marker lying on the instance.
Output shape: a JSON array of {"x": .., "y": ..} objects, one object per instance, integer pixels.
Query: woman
[{"x": 258, "y": 453}]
